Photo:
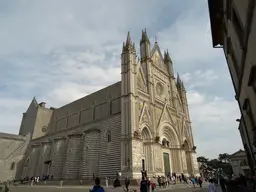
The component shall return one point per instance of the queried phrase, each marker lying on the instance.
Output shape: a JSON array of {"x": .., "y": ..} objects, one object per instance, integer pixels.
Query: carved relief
[
  {"x": 159, "y": 89},
  {"x": 158, "y": 60}
]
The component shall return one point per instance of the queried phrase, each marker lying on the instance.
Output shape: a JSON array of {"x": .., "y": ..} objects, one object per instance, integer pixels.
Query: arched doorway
[
  {"x": 170, "y": 144},
  {"x": 188, "y": 157},
  {"x": 146, "y": 137}
]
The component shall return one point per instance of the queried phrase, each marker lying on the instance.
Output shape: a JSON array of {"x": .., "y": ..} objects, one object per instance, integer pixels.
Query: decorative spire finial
[{"x": 128, "y": 39}]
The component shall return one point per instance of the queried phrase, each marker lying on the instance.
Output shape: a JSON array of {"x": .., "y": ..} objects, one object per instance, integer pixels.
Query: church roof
[
  {"x": 99, "y": 97},
  {"x": 11, "y": 136}
]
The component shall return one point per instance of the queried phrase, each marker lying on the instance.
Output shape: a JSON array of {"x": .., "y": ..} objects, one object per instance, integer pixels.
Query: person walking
[
  {"x": 127, "y": 183},
  {"x": 97, "y": 187},
  {"x": 211, "y": 187},
  {"x": 117, "y": 186}
]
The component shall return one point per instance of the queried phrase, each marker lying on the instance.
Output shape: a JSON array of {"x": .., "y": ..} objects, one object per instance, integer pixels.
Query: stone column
[
  {"x": 58, "y": 157},
  {"x": 91, "y": 149},
  {"x": 194, "y": 163},
  {"x": 73, "y": 157},
  {"x": 184, "y": 162},
  {"x": 45, "y": 156}
]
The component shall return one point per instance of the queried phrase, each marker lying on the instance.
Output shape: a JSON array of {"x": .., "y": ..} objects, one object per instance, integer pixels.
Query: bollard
[{"x": 61, "y": 183}]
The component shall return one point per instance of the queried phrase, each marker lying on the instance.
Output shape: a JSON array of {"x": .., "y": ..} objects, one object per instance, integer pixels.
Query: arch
[
  {"x": 166, "y": 131},
  {"x": 186, "y": 143},
  {"x": 146, "y": 133}
]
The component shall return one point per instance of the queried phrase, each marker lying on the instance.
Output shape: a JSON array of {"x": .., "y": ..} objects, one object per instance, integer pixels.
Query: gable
[
  {"x": 157, "y": 59},
  {"x": 165, "y": 116},
  {"x": 145, "y": 115}
]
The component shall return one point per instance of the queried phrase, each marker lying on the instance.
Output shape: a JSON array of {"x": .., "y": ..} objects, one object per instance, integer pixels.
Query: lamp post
[{"x": 143, "y": 171}]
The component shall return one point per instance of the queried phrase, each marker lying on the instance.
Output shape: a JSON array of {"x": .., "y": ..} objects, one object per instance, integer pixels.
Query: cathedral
[{"x": 139, "y": 123}]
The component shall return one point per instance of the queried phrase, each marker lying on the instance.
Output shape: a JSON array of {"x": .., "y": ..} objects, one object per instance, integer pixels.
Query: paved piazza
[{"x": 86, "y": 189}]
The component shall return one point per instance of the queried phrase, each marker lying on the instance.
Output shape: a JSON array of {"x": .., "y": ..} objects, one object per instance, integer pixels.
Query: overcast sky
[{"x": 62, "y": 50}]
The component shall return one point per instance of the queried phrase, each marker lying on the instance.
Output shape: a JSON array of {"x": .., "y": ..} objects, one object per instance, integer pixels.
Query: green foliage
[{"x": 209, "y": 167}]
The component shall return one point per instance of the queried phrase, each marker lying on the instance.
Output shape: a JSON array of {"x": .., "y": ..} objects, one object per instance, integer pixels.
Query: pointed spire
[
  {"x": 183, "y": 86},
  {"x": 128, "y": 45},
  {"x": 144, "y": 37},
  {"x": 128, "y": 40},
  {"x": 178, "y": 80},
  {"x": 168, "y": 58},
  {"x": 123, "y": 47}
]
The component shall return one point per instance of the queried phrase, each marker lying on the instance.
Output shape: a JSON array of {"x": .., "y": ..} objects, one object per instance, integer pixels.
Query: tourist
[
  {"x": 106, "y": 181},
  {"x": 211, "y": 187},
  {"x": 117, "y": 186},
  {"x": 97, "y": 187},
  {"x": 200, "y": 181},
  {"x": 153, "y": 185},
  {"x": 144, "y": 185},
  {"x": 127, "y": 183},
  {"x": 193, "y": 180},
  {"x": 223, "y": 184}
]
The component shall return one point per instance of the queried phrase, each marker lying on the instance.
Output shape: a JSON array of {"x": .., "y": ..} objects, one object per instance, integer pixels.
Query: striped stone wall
[
  {"x": 33, "y": 160},
  {"x": 78, "y": 153},
  {"x": 90, "y": 163},
  {"x": 45, "y": 156},
  {"x": 58, "y": 157},
  {"x": 73, "y": 157},
  {"x": 110, "y": 152}
]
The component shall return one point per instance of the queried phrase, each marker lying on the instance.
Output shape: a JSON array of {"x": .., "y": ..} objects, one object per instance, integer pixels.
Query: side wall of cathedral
[
  {"x": 77, "y": 154},
  {"x": 80, "y": 139}
]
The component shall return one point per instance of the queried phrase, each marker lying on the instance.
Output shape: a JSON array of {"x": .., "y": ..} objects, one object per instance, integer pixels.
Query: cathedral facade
[{"x": 139, "y": 123}]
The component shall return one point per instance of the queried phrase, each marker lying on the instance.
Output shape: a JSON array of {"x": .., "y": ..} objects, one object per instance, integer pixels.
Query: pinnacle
[
  {"x": 128, "y": 39},
  {"x": 144, "y": 37}
]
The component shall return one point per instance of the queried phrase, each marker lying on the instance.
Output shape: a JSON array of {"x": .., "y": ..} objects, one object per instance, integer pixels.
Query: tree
[{"x": 224, "y": 157}]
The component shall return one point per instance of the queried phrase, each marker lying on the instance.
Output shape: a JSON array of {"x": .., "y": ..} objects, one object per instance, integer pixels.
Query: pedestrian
[
  {"x": 211, "y": 187},
  {"x": 97, "y": 187},
  {"x": 117, "y": 186},
  {"x": 106, "y": 181},
  {"x": 200, "y": 181},
  {"x": 144, "y": 185},
  {"x": 193, "y": 180},
  {"x": 127, "y": 183}
]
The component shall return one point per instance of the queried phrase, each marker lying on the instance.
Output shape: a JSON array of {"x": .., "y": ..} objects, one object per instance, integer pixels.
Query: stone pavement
[{"x": 27, "y": 188}]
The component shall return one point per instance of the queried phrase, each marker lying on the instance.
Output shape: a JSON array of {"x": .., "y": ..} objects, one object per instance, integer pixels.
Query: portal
[{"x": 167, "y": 167}]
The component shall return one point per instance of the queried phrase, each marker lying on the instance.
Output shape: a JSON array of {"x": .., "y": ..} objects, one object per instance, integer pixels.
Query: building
[
  {"x": 139, "y": 123},
  {"x": 233, "y": 25},
  {"x": 239, "y": 163},
  {"x": 12, "y": 149}
]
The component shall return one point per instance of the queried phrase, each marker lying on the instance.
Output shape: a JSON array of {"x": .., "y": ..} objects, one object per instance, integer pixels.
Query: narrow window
[
  {"x": 252, "y": 78},
  {"x": 109, "y": 136},
  {"x": 12, "y": 166}
]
